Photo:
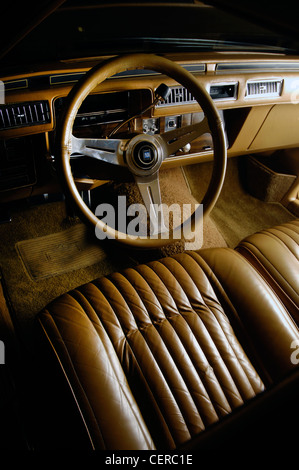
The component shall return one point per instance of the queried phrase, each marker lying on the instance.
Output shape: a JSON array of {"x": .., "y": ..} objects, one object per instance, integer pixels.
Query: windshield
[{"x": 80, "y": 30}]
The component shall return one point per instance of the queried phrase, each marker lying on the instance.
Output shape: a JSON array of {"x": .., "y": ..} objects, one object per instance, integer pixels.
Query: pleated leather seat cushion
[
  {"x": 150, "y": 354},
  {"x": 275, "y": 253}
]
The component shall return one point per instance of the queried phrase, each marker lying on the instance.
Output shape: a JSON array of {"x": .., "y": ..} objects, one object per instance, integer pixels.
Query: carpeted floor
[
  {"x": 175, "y": 191},
  {"x": 236, "y": 214}
]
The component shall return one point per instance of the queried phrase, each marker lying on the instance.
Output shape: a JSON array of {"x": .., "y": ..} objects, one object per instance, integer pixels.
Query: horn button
[{"x": 144, "y": 155}]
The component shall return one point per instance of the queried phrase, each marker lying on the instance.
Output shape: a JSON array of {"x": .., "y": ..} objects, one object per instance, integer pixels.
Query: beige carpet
[
  {"x": 265, "y": 183},
  {"x": 175, "y": 188},
  {"x": 236, "y": 213}
]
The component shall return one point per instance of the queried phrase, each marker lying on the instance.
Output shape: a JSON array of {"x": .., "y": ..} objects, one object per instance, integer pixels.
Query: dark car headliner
[{"x": 20, "y": 18}]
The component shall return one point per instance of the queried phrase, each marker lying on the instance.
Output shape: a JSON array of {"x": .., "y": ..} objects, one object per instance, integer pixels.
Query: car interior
[{"x": 182, "y": 334}]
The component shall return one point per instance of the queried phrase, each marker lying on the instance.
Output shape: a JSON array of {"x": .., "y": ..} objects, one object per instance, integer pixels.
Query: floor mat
[
  {"x": 60, "y": 252},
  {"x": 27, "y": 295}
]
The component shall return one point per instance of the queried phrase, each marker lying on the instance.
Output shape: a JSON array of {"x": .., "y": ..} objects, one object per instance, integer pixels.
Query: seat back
[
  {"x": 150, "y": 354},
  {"x": 274, "y": 252}
]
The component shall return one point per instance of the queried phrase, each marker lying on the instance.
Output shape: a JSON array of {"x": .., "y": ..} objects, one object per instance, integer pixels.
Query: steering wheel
[{"x": 143, "y": 154}]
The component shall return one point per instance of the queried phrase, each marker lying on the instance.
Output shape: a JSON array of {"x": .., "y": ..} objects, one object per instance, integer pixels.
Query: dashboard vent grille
[
  {"x": 264, "y": 88},
  {"x": 178, "y": 95},
  {"x": 219, "y": 91},
  {"x": 24, "y": 114}
]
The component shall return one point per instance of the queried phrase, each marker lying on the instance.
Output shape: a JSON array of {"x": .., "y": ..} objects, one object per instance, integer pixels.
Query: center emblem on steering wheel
[{"x": 145, "y": 155}]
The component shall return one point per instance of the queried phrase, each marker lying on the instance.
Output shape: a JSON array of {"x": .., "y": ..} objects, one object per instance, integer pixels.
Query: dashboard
[{"x": 256, "y": 95}]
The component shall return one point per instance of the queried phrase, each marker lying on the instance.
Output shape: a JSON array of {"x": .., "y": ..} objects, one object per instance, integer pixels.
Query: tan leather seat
[
  {"x": 275, "y": 253},
  {"x": 155, "y": 355}
]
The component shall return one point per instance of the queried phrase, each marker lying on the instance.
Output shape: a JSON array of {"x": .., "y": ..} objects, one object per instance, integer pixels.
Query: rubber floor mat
[{"x": 60, "y": 252}]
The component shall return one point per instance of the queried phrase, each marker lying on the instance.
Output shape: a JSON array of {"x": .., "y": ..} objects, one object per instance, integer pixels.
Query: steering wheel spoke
[
  {"x": 149, "y": 188},
  {"x": 176, "y": 139},
  {"x": 106, "y": 150}
]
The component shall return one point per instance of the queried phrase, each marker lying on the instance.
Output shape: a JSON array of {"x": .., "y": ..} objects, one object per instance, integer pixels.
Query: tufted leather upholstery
[
  {"x": 168, "y": 348},
  {"x": 275, "y": 253}
]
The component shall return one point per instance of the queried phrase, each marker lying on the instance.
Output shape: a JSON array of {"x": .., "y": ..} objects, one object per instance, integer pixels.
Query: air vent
[
  {"x": 24, "y": 114},
  {"x": 178, "y": 95},
  {"x": 264, "y": 88},
  {"x": 219, "y": 91}
]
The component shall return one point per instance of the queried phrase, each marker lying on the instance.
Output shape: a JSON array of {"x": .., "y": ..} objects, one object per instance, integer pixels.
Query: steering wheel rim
[{"x": 87, "y": 84}]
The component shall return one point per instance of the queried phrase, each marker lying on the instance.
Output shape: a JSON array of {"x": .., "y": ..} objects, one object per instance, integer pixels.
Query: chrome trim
[
  {"x": 234, "y": 97},
  {"x": 245, "y": 67},
  {"x": 263, "y": 83}
]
